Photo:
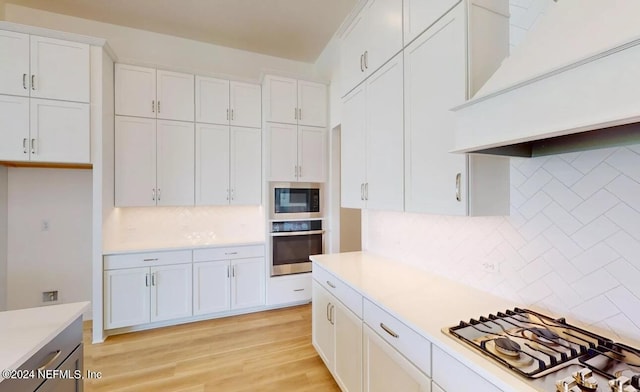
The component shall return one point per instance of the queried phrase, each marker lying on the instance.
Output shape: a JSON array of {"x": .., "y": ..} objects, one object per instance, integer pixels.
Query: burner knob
[
  {"x": 635, "y": 381},
  {"x": 585, "y": 379},
  {"x": 567, "y": 385},
  {"x": 622, "y": 384}
]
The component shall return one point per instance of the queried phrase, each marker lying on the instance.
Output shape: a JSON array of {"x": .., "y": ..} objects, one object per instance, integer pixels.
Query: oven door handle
[{"x": 290, "y": 233}]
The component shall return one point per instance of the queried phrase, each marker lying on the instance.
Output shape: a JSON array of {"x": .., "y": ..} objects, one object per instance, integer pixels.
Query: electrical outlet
[
  {"x": 45, "y": 225},
  {"x": 490, "y": 267},
  {"x": 50, "y": 296}
]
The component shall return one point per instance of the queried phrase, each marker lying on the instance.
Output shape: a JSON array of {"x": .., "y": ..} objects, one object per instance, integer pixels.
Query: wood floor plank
[{"x": 266, "y": 351}]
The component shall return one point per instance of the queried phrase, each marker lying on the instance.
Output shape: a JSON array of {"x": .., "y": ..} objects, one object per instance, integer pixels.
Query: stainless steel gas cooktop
[{"x": 552, "y": 354}]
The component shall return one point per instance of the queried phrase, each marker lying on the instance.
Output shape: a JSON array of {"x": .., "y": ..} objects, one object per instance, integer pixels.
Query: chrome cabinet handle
[
  {"x": 55, "y": 355},
  {"x": 362, "y": 63},
  {"x": 227, "y": 114},
  {"x": 233, "y": 194},
  {"x": 333, "y": 286},
  {"x": 158, "y": 106},
  {"x": 366, "y": 191},
  {"x": 158, "y": 194},
  {"x": 33, "y": 146},
  {"x": 153, "y": 106},
  {"x": 33, "y": 82},
  {"x": 299, "y": 171},
  {"x": 389, "y": 330},
  {"x": 154, "y": 259},
  {"x": 233, "y": 271},
  {"x": 458, "y": 195},
  {"x": 24, "y": 145},
  {"x": 227, "y": 191},
  {"x": 332, "y": 319},
  {"x": 295, "y": 113},
  {"x": 233, "y": 115},
  {"x": 228, "y": 271},
  {"x": 24, "y": 81},
  {"x": 366, "y": 59},
  {"x": 299, "y": 113},
  {"x": 153, "y": 279},
  {"x": 328, "y": 316},
  {"x": 153, "y": 194},
  {"x": 230, "y": 253},
  {"x": 298, "y": 290},
  {"x": 146, "y": 280},
  {"x": 362, "y": 191}
]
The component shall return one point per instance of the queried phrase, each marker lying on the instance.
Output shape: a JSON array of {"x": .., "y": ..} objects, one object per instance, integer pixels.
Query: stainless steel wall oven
[{"x": 292, "y": 242}]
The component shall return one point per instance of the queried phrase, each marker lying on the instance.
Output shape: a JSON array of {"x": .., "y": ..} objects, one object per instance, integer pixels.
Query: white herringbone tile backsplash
[{"x": 571, "y": 244}]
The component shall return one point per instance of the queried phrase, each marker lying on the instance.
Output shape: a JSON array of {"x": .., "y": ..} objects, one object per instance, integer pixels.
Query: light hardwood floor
[{"x": 266, "y": 351}]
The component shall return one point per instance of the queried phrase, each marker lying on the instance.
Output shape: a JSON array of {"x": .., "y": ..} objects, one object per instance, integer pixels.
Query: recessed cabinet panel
[
  {"x": 322, "y": 331},
  {"x": 281, "y": 98},
  {"x": 312, "y": 104},
  {"x": 171, "y": 292},
  {"x": 211, "y": 287},
  {"x": 352, "y": 150},
  {"x": 283, "y": 148},
  {"x": 384, "y": 32},
  {"x": 435, "y": 81},
  {"x": 312, "y": 150},
  {"x": 127, "y": 297},
  {"x": 247, "y": 283},
  {"x": 246, "y": 105},
  {"x": 14, "y": 128},
  {"x": 135, "y": 162},
  {"x": 14, "y": 64},
  {"x": 175, "y": 163},
  {"x": 175, "y": 96},
  {"x": 212, "y": 164},
  {"x": 59, "y": 131},
  {"x": 246, "y": 166},
  {"x": 212, "y": 100},
  {"x": 352, "y": 50},
  {"x": 59, "y": 69},
  {"x": 348, "y": 341},
  {"x": 135, "y": 91},
  {"x": 419, "y": 15}
]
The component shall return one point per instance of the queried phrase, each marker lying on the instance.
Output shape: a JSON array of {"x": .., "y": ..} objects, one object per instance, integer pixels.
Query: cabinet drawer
[
  {"x": 407, "y": 341},
  {"x": 348, "y": 296},
  {"x": 228, "y": 253},
  {"x": 452, "y": 375},
  {"x": 290, "y": 289},
  {"x": 135, "y": 260}
]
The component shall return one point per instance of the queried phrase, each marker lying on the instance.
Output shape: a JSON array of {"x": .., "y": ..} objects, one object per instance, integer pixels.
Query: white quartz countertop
[
  {"x": 427, "y": 303},
  {"x": 23, "y": 332},
  {"x": 159, "y": 247}
]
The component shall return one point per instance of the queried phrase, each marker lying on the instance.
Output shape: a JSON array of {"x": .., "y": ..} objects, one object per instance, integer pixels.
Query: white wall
[
  {"x": 60, "y": 257},
  {"x": 165, "y": 51},
  {"x": 3, "y": 237}
]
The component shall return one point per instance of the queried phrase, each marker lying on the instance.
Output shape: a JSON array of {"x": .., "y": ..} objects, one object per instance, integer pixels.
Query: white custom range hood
[{"x": 573, "y": 84}]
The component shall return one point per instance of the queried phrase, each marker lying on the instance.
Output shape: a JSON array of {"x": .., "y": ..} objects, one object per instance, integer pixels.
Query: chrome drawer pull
[
  {"x": 55, "y": 356},
  {"x": 156, "y": 259},
  {"x": 298, "y": 290},
  {"x": 230, "y": 253},
  {"x": 331, "y": 285},
  {"x": 389, "y": 330}
]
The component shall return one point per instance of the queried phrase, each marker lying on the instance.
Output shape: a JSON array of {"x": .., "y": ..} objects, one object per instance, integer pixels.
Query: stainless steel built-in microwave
[{"x": 296, "y": 200}]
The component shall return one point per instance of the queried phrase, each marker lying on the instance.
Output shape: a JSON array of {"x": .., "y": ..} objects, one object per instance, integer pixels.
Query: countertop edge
[{"x": 145, "y": 249}]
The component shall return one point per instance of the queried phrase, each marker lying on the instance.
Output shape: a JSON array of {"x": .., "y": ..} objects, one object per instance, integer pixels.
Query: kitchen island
[
  {"x": 39, "y": 338},
  {"x": 422, "y": 303}
]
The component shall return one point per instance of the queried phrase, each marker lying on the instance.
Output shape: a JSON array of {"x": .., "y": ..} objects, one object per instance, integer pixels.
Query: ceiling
[{"x": 293, "y": 29}]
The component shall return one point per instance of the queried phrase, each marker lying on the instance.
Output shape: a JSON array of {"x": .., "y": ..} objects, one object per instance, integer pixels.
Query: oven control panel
[{"x": 299, "y": 225}]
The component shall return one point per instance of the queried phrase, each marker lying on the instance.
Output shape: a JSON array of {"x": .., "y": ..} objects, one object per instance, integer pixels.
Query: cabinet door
[
  {"x": 171, "y": 292},
  {"x": 452, "y": 375},
  {"x": 246, "y": 166},
  {"x": 435, "y": 81},
  {"x": 212, "y": 164},
  {"x": 283, "y": 152},
  {"x": 14, "y": 126},
  {"x": 352, "y": 149},
  {"x": 436, "y": 388},
  {"x": 418, "y": 15},
  {"x": 175, "y": 163},
  {"x": 211, "y": 287},
  {"x": 60, "y": 131},
  {"x": 312, "y": 152},
  {"x": 59, "y": 69},
  {"x": 352, "y": 51},
  {"x": 247, "y": 282},
  {"x": 322, "y": 331},
  {"x": 246, "y": 105},
  {"x": 348, "y": 330},
  {"x": 135, "y": 162},
  {"x": 14, "y": 64},
  {"x": 385, "y": 369},
  {"x": 126, "y": 297},
  {"x": 384, "y": 32},
  {"x": 175, "y": 96},
  {"x": 312, "y": 104},
  {"x": 385, "y": 138},
  {"x": 212, "y": 100},
  {"x": 135, "y": 91},
  {"x": 281, "y": 100}
]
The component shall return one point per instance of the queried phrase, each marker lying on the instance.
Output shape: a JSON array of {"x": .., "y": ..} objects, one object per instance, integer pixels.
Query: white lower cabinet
[
  {"x": 228, "y": 279},
  {"x": 435, "y": 387},
  {"x": 453, "y": 376},
  {"x": 337, "y": 336},
  {"x": 289, "y": 289},
  {"x": 140, "y": 295},
  {"x": 385, "y": 369}
]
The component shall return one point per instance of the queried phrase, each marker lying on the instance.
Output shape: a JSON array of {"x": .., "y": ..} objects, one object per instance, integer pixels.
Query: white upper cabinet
[
  {"x": 175, "y": 163},
  {"x": 374, "y": 37},
  {"x": 312, "y": 153},
  {"x": 373, "y": 141},
  {"x": 135, "y": 91},
  {"x": 145, "y": 92},
  {"x": 15, "y": 76},
  {"x": 219, "y": 101},
  {"x": 228, "y": 165},
  {"x": 14, "y": 123},
  {"x": 438, "y": 76},
  {"x": 297, "y": 153},
  {"x": 246, "y": 104},
  {"x": 174, "y": 96},
  {"x": 292, "y": 101},
  {"x": 419, "y": 15}
]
